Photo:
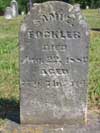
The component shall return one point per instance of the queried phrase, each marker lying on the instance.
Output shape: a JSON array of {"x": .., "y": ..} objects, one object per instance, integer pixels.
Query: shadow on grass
[
  {"x": 9, "y": 109},
  {"x": 96, "y": 29}
]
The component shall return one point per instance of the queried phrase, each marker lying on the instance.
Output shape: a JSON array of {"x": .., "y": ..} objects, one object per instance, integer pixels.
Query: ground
[{"x": 9, "y": 65}]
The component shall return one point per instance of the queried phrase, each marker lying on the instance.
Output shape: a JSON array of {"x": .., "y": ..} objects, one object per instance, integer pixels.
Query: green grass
[
  {"x": 9, "y": 64},
  {"x": 9, "y": 61},
  {"x": 92, "y": 17},
  {"x": 9, "y": 68},
  {"x": 94, "y": 69}
]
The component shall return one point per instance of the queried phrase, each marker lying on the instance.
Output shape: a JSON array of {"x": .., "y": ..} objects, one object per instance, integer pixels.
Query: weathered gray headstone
[
  {"x": 22, "y": 13},
  {"x": 87, "y": 7},
  {"x": 8, "y": 13},
  {"x": 98, "y": 10},
  {"x": 54, "y": 41},
  {"x": 14, "y": 6}
]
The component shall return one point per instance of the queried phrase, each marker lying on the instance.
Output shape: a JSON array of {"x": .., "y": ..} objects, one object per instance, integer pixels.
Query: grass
[
  {"x": 9, "y": 68},
  {"x": 94, "y": 69},
  {"x": 9, "y": 65},
  {"x": 9, "y": 62},
  {"x": 92, "y": 17}
]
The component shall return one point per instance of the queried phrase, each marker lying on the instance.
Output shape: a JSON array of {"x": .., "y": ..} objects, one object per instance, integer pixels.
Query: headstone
[
  {"x": 8, "y": 13},
  {"x": 22, "y": 13},
  {"x": 87, "y": 7},
  {"x": 54, "y": 42},
  {"x": 14, "y": 6},
  {"x": 99, "y": 10}
]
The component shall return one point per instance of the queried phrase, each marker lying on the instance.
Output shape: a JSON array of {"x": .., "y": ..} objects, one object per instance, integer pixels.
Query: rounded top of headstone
[
  {"x": 8, "y": 13},
  {"x": 13, "y": 1},
  {"x": 52, "y": 2},
  {"x": 66, "y": 10},
  {"x": 7, "y": 8}
]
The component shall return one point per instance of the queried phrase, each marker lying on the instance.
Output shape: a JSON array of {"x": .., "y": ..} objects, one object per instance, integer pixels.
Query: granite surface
[{"x": 54, "y": 43}]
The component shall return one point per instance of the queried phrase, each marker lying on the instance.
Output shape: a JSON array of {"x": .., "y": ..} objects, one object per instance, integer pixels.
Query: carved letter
[
  {"x": 51, "y": 71},
  {"x": 30, "y": 34},
  {"x": 51, "y": 17},
  {"x": 55, "y": 34},
  {"x": 69, "y": 34},
  {"x": 44, "y": 72},
  {"x": 44, "y": 18},
  {"x": 47, "y": 34},
  {"x": 77, "y": 34},
  {"x": 39, "y": 34}
]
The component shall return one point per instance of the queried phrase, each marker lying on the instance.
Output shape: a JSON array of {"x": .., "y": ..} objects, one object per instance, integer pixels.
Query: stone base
[{"x": 92, "y": 126}]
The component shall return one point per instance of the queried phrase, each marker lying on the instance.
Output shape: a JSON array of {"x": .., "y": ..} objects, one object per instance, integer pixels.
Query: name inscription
[
  {"x": 53, "y": 34},
  {"x": 55, "y": 16}
]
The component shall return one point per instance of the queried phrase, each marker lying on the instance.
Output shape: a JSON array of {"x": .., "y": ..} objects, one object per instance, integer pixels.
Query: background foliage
[{"x": 24, "y": 4}]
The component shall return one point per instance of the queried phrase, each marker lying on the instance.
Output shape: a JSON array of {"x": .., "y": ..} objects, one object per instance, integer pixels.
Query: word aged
[{"x": 52, "y": 71}]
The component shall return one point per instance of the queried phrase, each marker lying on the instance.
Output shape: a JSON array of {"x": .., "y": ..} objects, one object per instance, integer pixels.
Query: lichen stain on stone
[
  {"x": 23, "y": 27},
  {"x": 83, "y": 23},
  {"x": 80, "y": 17},
  {"x": 22, "y": 48},
  {"x": 70, "y": 9},
  {"x": 51, "y": 8},
  {"x": 35, "y": 4},
  {"x": 59, "y": 129},
  {"x": 77, "y": 8},
  {"x": 72, "y": 16},
  {"x": 40, "y": 10}
]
